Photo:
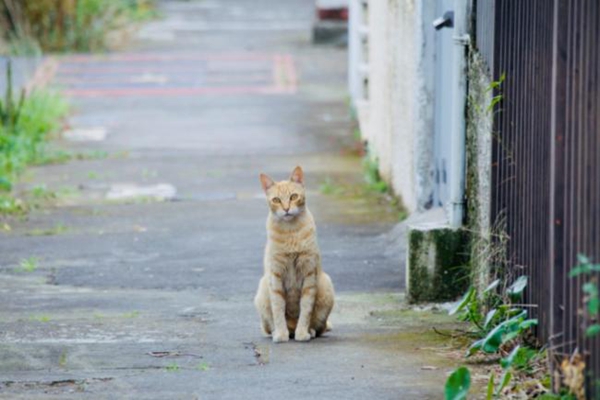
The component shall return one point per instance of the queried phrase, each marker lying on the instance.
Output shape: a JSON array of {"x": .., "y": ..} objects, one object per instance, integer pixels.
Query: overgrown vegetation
[
  {"x": 24, "y": 127},
  {"x": 499, "y": 325},
  {"x": 500, "y": 328},
  {"x": 591, "y": 310},
  {"x": 67, "y": 25}
]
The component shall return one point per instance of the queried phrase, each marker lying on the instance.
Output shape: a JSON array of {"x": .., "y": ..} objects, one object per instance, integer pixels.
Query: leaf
[
  {"x": 583, "y": 259},
  {"x": 493, "y": 340},
  {"x": 458, "y": 384},
  {"x": 528, "y": 323},
  {"x": 505, "y": 380},
  {"x": 475, "y": 347},
  {"x": 508, "y": 361},
  {"x": 489, "y": 316},
  {"x": 490, "y": 388},
  {"x": 592, "y": 330},
  {"x": 590, "y": 289},
  {"x": 492, "y": 286},
  {"x": 594, "y": 305},
  {"x": 516, "y": 289},
  {"x": 5, "y": 185},
  {"x": 463, "y": 302}
]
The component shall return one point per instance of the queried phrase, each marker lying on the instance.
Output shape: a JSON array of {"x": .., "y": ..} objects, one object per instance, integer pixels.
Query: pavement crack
[{"x": 261, "y": 352}]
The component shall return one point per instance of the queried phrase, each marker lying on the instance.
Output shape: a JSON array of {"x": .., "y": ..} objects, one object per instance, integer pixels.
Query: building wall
[{"x": 398, "y": 120}]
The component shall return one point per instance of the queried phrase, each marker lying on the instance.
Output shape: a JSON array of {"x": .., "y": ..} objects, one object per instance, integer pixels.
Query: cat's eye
[
  {"x": 276, "y": 200},
  {"x": 293, "y": 197}
]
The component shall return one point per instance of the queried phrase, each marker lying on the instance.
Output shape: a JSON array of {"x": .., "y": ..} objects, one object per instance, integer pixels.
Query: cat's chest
[{"x": 293, "y": 277}]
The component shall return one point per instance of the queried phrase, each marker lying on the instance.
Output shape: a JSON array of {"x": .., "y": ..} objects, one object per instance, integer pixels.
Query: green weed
[
  {"x": 172, "y": 367},
  {"x": 24, "y": 126},
  {"x": 29, "y": 264},
  {"x": 62, "y": 360},
  {"x": 58, "y": 229},
  {"x": 372, "y": 176},
  {"x": 329, "y": 187},
  {"x": 203, "y": 367},
  {"x": 132, "y": 314},
  {"x": 40, "y": 318}
]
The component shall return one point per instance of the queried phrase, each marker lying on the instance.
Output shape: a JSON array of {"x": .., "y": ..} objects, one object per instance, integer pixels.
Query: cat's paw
[
  {"x": 281, "y": 336},
  {"x": 313, "y": 333},
  {"x": 302, "y": 336}
]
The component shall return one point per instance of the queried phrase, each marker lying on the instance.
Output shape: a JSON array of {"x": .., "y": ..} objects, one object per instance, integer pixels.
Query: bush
[
  {"x": 24, "y": 127},
  {"x": 67, "y": 25}
]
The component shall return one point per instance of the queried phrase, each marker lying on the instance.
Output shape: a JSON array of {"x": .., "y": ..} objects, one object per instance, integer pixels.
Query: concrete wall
[
  {"x": 398, "y": 120},
  {"x": 479, "y": 163}
]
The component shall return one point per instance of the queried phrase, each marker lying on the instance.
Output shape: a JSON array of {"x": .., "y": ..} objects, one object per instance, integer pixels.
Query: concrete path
[{"x": 135, "y": 298}]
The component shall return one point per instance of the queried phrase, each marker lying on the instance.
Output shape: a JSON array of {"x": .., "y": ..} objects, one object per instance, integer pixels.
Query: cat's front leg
[
  {"x": 277, "y": 296},
  {"x": 307, "y": 299}
]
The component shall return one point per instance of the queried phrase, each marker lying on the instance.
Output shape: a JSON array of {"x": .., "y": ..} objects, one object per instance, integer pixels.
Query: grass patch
[
  {"x": 25, "y": 124},
  {"x": 330, "y": 187},
  {"x": 173, "y": 367},
  {"x": 29, "y": 264},
  {"x": 57, "y": 229},
  {"x": 132, "y": 314},
  {"x": 12, "y": 206},
  {"x": 40, "y": 318},
  {"x": 62, "y": 360},
  {"x": 203, "y": 367},
  {"x": 372, "y": 176}
]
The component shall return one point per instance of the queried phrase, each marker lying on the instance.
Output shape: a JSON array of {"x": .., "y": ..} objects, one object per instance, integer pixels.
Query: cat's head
[{"x": 286, "y": 199}]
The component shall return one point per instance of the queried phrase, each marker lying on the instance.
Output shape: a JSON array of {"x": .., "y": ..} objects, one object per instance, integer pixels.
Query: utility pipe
[{"x": 459, "y": 95}]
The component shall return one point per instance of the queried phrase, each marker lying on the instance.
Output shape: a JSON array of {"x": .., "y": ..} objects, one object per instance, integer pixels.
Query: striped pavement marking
[{"x": 160, "y": 74}]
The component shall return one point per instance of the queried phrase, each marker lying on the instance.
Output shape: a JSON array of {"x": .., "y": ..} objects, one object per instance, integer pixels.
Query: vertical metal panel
[{"x": 546, "y": 155}]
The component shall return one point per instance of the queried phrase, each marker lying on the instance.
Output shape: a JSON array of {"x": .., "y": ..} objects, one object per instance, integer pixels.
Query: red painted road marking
[
  {"x": 84, "y": 59},
  {"x": 243, "y": 71},
  {"x": 225, "y": 90}
]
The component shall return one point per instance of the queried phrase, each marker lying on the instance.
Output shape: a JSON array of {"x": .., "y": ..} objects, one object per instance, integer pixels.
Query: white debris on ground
[
  {"x": 124, "y": 191},
  {"x": 95, "y": 134}
]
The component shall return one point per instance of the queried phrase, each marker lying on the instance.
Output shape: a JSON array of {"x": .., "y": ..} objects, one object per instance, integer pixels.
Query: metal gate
[{"x": 546, "y": 158}]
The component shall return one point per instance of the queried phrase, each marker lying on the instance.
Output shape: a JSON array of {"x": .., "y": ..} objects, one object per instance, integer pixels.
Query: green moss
[{"x": 437, "y": 264}]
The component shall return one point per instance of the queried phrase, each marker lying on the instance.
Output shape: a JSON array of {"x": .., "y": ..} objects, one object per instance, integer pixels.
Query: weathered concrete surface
[{"x": 128, "y": 277}]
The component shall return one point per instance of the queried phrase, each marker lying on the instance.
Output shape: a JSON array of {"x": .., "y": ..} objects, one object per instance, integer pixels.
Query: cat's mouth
[{"x": 288, "y": 216}]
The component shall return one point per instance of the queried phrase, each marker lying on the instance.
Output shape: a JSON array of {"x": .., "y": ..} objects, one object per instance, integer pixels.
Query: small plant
[
  {"x": 29, "y": 264},
  {"x": 24, "y": 127},
  {"x": 62, "y": 360},
  {"x": 502, "y": 323},
  {"x": 57, "y": 229},
  {"x": 372, "y": 176},
  {"x": 591, "y": 299},
  {"x": 10, "y": 110},
  {"x": 172, "y": 367},
  {"x": 499, "y": 330},
  {"x": 203, "y": 367},
  {"x": 132, "y": 314},
  {"x": 329, "y": 187},
  {"x": 40, "y": 318}
]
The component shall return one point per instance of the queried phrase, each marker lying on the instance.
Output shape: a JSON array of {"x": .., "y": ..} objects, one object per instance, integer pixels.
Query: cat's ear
[
  {"x": 297, "y": 176},
  {"x": 266, "y": 182}
]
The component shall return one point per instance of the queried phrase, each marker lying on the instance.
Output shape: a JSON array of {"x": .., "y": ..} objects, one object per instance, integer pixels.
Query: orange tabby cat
[{"x": 294, "y": 295}]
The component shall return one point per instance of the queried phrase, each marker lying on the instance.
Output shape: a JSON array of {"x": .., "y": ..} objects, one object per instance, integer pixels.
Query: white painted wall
[{"x": 397, "y": 118}]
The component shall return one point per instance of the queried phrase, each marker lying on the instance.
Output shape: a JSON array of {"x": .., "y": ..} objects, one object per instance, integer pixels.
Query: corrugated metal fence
[{"x": 546, "y": 156}]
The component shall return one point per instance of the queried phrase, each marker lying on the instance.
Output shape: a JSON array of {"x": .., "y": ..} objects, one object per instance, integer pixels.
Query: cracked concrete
[{"x": 128, "y": 281}]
